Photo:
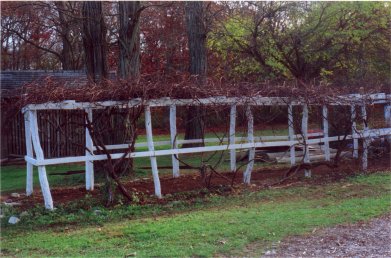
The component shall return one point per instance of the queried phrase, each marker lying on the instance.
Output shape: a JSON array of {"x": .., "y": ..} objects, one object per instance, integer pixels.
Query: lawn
[{"x": 206, "y": 227}]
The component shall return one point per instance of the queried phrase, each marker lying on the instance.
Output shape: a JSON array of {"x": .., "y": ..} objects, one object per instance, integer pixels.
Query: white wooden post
[
  {"x": 232, "y": 125},
  {"x": 174, "y": 140},
  {"x": 29, "y": 152},
  {"x": 365, "y": 140},
  {"x": 304, "y": 129},
  {"x": 251, "y": 152},
  {"x": 89, "y": 152},
  {"x": 326, "y": 133},
  {"x": 155, "y": 172},
  {"x": 387, "y": 117},
  {"x": 354, "y": 132},
  {"x": 40, "y": 157},
  {"x": 291, "y": 132}
]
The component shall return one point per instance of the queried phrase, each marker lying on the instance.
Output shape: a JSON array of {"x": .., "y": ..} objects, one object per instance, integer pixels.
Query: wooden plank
[
  {"x": 40, "y": 157},
  {"x": 373, "y": 132},
  {"x": 256, "y": 100},
  {"x": 209, "y": 140},
  {"x": 29, "y": 153},
  {"x": 291, "y": 132},
  {"x": 365, "y": 141},
  {"x": 174, "y": 144},
  {"x": 251, "y": 154},
  {"x": 304, "y": 130},
  {"x": 326, "y": 133},
  {"x": 34, "y": 162},
  {"x": 354, "y": 131},
  {"x": 232, "y": 125},
  {"x": 89, "y": 175},
  {"x": 151, "y": 148},
  {"x": 387, "y": 118}
]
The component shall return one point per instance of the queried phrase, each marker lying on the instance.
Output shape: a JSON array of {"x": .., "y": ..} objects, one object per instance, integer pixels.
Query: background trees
[
  {"x": 41, "y": 35},
  {"x": 342, "y": 43},
  {"x": 307, "y": 41}
]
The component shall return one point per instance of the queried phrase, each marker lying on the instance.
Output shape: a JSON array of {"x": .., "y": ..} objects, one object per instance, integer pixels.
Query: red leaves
[{"x": 43, "y": 35}]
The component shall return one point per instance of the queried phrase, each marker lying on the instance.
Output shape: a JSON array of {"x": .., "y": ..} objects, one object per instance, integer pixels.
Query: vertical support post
[
  {"x": 387, "y": 117},
  {"x": 291, "y": 132},
  {"x": 326, "y": 133},
  {"x": 232, "y": 125},
  {"x": 354, "y": 132},
  {"x": 43, "y": 180},
  {"x": 251, "y": 151},
  {"x": 89, "y": 152},
  {"x": 174, "y": 144},
  {"x": 29, "y": 153},
  {"x": 151, "y": 147},
  {"x": 304, "y": 129},
  {"x": 365, "y": 142}
]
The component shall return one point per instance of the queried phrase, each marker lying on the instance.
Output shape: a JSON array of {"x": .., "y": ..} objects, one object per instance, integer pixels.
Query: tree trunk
[
  {"x": 129, "y": 39},
  {"x": 196, "y": 32},
  {"x": 67, "y": 52},
  {"x": 94, "y": 40}
]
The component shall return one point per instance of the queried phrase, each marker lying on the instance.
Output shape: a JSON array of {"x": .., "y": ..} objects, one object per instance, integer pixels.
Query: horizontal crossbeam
[
  {"x": 366, "y": 134},
  {"x": 165, "y": 102}
]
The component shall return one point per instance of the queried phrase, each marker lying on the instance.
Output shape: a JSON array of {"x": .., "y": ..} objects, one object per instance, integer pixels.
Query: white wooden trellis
[{"x": 230, "y": 143}]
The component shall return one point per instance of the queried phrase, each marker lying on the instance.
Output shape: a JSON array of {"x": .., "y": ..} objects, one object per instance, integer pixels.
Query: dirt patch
[
  {"x": 261, "y": 178},
  {"x": 371, "y": 239}
]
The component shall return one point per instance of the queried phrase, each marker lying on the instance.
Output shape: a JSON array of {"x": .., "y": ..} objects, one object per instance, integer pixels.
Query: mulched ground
[
  {"x": 144, "y": 188},
  {"x": 370, "y": 239}
]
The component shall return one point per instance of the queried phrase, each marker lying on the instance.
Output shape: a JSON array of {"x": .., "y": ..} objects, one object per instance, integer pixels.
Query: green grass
[
  {"x": 216, "y": 225},
  {"x": 13, "y": 178}
]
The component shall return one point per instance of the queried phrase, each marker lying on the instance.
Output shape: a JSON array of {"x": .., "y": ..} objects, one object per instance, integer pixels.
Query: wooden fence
[{"x": 231, "y": 143}]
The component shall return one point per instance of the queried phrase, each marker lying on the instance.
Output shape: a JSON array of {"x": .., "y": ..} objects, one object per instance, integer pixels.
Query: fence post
[
  {"x": 326, "y": 133},
  {"x": 354, "y": 132},
  {"x": 40, "y": 157},
  {"x": 155, "y": 172},
  {"x": 251, "y": 152},
  {"x": 89, "y": 152},
  {"x": 232, "y": 125},
  {"x": 291, "y": 132},
  {"x": 304, "y": 129},
  {"x": 29, "y": 153},
  {"x": 387, "y": 117},
  {"x": 365, "y": 139},
  {"x": 174, "y": 140}
]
